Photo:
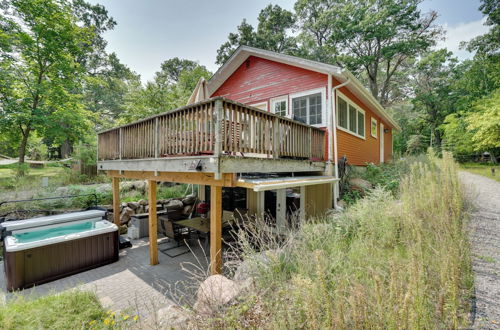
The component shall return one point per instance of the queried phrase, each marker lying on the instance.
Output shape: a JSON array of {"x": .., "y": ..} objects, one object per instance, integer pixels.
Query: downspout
[{"x": 332, "y": 134}]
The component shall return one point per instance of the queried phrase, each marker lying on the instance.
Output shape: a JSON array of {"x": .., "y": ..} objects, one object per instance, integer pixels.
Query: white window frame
[
  {"x": 321, "y": 90},
  {"x": 280, "y": 99},
  {"x": 355, "y": 106},
  {"x": 373, "y": 121},
  {"x": 258, "y": 104}
]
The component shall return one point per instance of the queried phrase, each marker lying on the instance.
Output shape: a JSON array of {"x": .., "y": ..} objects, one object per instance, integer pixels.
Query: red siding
[{"x": 258, "y": 80}]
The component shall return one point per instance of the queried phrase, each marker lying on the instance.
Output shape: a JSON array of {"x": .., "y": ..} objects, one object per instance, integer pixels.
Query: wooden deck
[{"x": 204, "y": 135}]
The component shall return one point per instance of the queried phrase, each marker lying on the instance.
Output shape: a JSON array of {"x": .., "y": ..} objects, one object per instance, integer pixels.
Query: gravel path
[{"x": 485, "y": 240}]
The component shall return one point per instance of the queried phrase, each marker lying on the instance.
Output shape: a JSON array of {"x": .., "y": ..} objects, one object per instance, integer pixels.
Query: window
[
  {"x": 350, "y": 117},
  {"x": 374, "y": 127},
  {"x": 279, "y": 106},
  {"x": 308, "y": 108}
]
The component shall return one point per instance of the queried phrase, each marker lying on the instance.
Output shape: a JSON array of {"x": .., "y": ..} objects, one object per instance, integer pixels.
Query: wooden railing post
[
  {"x": 309, "y": 143},
  {"x": 157, "y": 138},
  {"x": 218, "y": 126},
  {"x": 276, "y": 137}
]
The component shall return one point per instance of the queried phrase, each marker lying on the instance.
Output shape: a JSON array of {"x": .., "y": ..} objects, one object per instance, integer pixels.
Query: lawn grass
[
  {"x": 389, "y": 261},
  {"x": 71, "y": 310},
  {"x": 67, "y": 310},
  {"x": 482, "y": 169}
]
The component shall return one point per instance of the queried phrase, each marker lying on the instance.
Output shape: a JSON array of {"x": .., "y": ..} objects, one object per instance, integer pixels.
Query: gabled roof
[{"x": 241, "y": 54}]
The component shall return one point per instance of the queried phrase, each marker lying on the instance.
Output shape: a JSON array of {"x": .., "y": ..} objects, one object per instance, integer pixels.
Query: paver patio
[{"x": 131, "y": 284}]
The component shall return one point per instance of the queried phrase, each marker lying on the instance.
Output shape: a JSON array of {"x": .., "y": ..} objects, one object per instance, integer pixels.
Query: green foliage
[
  {"x": 272, "y": 33},
  {"x": 86, "y": 153},
  {"x": 384, "y": 263},
  {"x": 164, "y": 93},
  {"x": 68, "y": 310}
]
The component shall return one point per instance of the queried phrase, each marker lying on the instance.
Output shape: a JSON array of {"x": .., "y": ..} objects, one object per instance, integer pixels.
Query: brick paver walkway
[{"x": 131, "y": 284}]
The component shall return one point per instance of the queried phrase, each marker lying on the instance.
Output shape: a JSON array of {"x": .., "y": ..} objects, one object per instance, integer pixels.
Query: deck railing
[{"x": 213, "y": 127}]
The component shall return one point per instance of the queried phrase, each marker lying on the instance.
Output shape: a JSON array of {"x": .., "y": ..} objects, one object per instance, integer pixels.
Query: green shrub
[{"x": 387, "y": 262}]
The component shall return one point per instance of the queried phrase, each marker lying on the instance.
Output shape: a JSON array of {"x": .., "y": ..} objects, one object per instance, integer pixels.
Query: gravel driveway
[{"x": 485, "y": 240}]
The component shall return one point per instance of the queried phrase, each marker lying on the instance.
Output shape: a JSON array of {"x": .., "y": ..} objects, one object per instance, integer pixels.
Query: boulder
[
  {"x": 133, "y": 205},
  {"x": 174, "y": 204},
  {"x": 167, "y": 184},
  {"x": 122, "y": 229},
  {"x": 143, "y": 202},
  {"x": 126, "y": 186},
  {"x": 172, "y": 317},
  {"x": 187, "y": 209},
  {"x": 360, "y": 184},
  {"x": 250, "y": 267},
  {"x": 214, "y": 293},
  {"x": 140, "y": 185},
  {"x": 189, "y": 199},
  {"x": 125, "y": 216},
  {"x": 164, "y": 201}
]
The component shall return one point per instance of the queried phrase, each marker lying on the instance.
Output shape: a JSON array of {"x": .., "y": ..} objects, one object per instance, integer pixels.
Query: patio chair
[{"x": 176, "y": 233}]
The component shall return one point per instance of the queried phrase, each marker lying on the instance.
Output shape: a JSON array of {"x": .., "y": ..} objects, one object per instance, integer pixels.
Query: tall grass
[{"x": 388, "y": 262}]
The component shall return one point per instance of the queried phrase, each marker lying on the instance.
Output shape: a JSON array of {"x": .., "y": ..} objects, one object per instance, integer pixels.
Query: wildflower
[
  {"x": 136, "y": 317},
  {"x": 92, "y": 322},
  {"x": 106, "y": 321},
  {"x": 125, "y": 317}
]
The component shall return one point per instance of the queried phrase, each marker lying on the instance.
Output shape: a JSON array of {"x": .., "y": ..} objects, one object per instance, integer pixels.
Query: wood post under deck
[
  {"x": 115, "y": 183},
  {"x": 215, "y": 229},
  {"x": 153, "y": 243}
]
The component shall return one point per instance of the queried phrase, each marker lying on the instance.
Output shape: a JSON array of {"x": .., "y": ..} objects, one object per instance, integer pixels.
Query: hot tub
[{"x": 41, "y": 250}]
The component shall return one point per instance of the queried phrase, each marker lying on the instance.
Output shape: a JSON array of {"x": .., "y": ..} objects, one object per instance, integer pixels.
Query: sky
[{"x": 151, "y": 31}]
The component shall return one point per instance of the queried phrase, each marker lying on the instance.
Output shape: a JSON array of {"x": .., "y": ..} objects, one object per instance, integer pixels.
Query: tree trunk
[{"x": 22, "y": 149}]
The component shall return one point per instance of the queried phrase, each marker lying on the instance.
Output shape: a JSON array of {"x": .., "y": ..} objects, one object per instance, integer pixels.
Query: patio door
[{"x": 381, "y": 143}]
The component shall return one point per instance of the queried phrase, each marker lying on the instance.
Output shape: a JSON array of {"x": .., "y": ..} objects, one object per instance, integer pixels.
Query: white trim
[
  {"x": 382, "y": 143},
  {"x": 321, "y": 90},
  {"x": 280, "y": 99},
  {"x": 258, "y": 104},
  {"x": 358, "y": 109},
  {"x": 374, "y": 120}
]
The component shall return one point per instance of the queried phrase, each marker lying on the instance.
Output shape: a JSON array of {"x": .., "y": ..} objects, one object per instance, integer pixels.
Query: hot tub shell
[{"x": 34, "y": 263}]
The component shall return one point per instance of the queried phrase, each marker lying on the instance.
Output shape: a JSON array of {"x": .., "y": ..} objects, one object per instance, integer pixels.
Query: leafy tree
[
  {"x": 374, "y": 37},
  {"x": 484, "y": 124},
  {"x": 488, "y": 43},
  {"x": 432, "y": 78},
  {"x": 272, "y": 30},
  {"x": 40, "y": 72},
  {"x": 163, "y": 93}
]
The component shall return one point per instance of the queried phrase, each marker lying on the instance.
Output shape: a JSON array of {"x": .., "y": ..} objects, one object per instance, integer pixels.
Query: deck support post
[
  {"x": 153, "y": 243},
  {"x": 215, "y": 229},
  {"x": 115, "y": 185}
]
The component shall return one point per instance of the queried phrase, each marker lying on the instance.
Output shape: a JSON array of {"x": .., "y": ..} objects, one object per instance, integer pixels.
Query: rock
[
  {"x": 164, "y": 201},
  {"x": 126, "y": 186},
  {"x": 123, "y": 229},
  {"x": 187, "y": 209},
  {"x": 143, "y": 202},
  {"x": 125, "y": 215},
  {"x": 133, "y": 205},
  {"x": 215, "y": 292},
  {"x": 167, "y": 184},
  {"x": 360, "y": 184},
  {"x": 123, "y": 205},
  {"x": 342, "y": 204},
  {"x": 140, "y": 185},
  {"x": 252, "y": 266},
  {"x": 170, "y": 317},
  {"x": 174, "y": 204},
  {"x": 189, "y": 199}
]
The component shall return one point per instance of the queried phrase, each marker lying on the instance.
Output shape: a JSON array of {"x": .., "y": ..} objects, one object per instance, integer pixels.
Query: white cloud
[{"x": 462, "y": 32}]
